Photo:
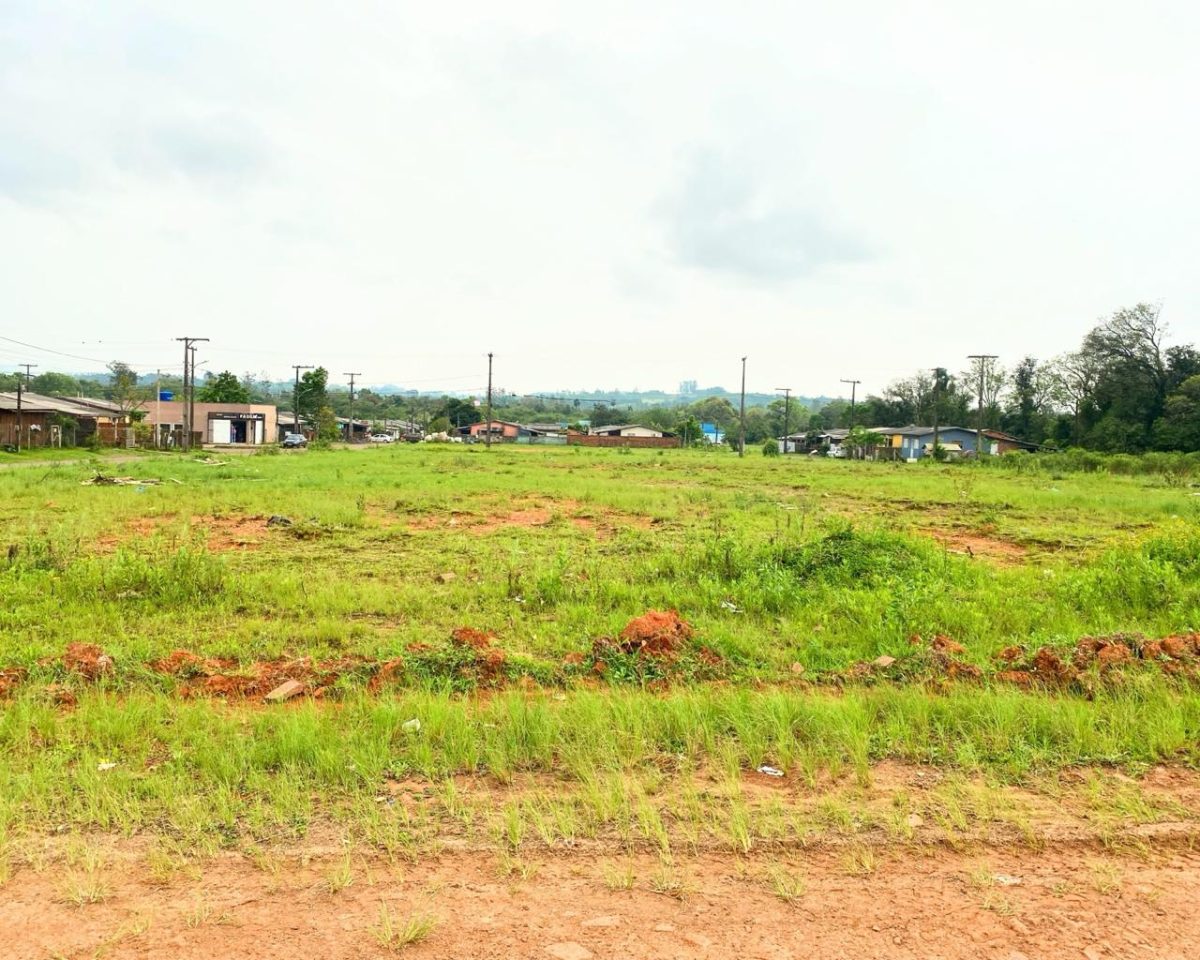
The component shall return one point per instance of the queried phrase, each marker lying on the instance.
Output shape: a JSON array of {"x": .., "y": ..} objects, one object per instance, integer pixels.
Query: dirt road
[{"x": 1002, "y": 903}]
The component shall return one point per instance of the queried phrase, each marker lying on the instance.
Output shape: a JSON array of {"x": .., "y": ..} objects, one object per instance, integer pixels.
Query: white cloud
[{"x": 403, "y": 187}]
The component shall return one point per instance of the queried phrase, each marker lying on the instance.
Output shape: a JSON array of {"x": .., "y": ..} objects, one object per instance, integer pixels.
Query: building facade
[{"x": 252, "y": 424}]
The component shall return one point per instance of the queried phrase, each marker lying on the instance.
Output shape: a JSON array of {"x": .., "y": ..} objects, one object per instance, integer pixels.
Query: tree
[
  {"x": 55, "y": 384},
  {"x": 123, "y": 388},
  {"x": 223, "y": 388},
  {"x": 1074, "y": 378},
  {"x": 1179, "y": 426},
  {"x": 716, "y": 410},
  {"x": 327, "y": 425},
  {"x": 605, "y": 416},
  {"x": 995, "y": 379},
  {"x": 461, "y": 413},
  {"x": 1134, "y": 378},
  {"x": 688, "y": 429},
  {"x": 313, "y": 397},
  {"x": 1033, "y": 398},
  {"x": 859, "y": 440}
]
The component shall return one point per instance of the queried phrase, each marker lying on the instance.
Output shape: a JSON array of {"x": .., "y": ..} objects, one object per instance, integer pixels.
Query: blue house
[
  {"x": 916, "y": 442},
  {"x": 711, "y": 432}
]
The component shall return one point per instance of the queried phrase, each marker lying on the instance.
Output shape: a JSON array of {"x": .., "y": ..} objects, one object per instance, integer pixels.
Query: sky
[{"x": 616, "y": 195}]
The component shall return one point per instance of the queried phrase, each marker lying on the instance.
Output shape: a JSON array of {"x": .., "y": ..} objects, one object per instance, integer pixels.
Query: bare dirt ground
[
  {"x": 1005, "y": 903},
  {"x": 975, "y": 544}
]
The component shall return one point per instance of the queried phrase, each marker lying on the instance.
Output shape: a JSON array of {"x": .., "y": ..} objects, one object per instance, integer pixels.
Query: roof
[
  {"x": 97, "y": 402},
  {"x": 40, "y": 403},
  {"x": 915, "y": 431},
  {"x": 622, "y": 426}
]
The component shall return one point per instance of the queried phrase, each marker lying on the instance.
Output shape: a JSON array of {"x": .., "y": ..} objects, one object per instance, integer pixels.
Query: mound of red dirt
[
  {"x": 470, "y": 637},
  {"x": 944, "y": 644},
  {"x": 206, "y": 676},
  {"x": 489, "y": 659},
  {"x": 656, "y": 633},
  {"x": 387, "y": 673},
  {"x": 184, "y": 663},
  {"x": 87, "y": 659},
  {"x": 9, "y": 680}
]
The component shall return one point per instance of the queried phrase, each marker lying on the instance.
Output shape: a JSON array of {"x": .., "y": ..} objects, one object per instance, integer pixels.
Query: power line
[{"x": 60, "y": 353}]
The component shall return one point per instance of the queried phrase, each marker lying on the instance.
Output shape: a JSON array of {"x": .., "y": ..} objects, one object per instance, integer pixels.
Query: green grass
[{"x": 786, "y": 568}]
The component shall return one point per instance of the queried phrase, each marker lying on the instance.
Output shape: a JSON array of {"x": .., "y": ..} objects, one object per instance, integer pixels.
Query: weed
[
  {"x": 396, "y": 933},
  {"x": 667, "y": 881},
  {"x": 619, "y": 877},
  {"x": 341, "y": 876},
  {"x": 786, "y": 884},
  {"x": 859, "y": 860}
]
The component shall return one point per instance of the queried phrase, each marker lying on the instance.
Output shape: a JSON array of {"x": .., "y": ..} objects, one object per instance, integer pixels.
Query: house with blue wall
[{"x": 917, "y": 442}]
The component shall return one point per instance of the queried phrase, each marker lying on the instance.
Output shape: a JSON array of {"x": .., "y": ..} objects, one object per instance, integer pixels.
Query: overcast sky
[{"x": 603, "y": 194}]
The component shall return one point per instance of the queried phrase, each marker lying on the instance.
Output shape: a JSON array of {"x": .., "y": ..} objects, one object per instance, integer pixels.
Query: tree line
[{"x": 1126, "y": 389}]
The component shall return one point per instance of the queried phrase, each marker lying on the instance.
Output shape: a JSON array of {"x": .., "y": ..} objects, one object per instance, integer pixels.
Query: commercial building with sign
[{"x": 221, "y": 423}]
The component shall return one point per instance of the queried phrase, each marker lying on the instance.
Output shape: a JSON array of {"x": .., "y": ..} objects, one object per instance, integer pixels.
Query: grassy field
[{"x": 839, "y": 617}]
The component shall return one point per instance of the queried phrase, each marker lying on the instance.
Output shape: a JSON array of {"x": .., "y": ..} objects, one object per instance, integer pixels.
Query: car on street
[
  {"x": 381, "y": 438},
  {"x": 292, "y": 440}
]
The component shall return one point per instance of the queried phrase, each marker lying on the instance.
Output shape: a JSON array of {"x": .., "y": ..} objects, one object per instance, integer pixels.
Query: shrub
[{"x": 770, "y": 448}]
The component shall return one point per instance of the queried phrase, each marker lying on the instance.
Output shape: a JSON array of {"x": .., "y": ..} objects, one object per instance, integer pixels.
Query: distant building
[
  {"x": 622, "y": 435},
  {"x": 915, "y": 442},
  {"x": 712, "y": 433},
  {"x": 38, "y": 420},
  {"x": 625, "y": 430},
  {"x": 222, "y": 423}
]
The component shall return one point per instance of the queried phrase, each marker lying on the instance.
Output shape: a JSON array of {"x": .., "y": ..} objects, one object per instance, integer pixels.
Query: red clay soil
[
  {"x": 974, "y": 544},
  {"x": 234, "y": 532},
  {"x": 489, "y": 659},
  {"x": 657, "y": 633},
  {"x": 470, "y": 637},
  {"x": 10, "y": 679},
  {"x": 87, "y": 659},
  {"x": 1174, "y": 654},
  {"x": 205, "y": 676},
  {"x": 989, "y": 904},
  {"x": 536, "y": 513}
]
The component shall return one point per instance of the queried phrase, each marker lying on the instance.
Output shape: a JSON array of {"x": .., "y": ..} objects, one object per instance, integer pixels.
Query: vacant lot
[{"x": 569, "y": 703}]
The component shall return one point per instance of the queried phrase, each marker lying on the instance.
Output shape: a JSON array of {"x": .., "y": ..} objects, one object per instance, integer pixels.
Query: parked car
[
  {"x": 381, "y": 438},
  {"x": 294, "y": 440}
]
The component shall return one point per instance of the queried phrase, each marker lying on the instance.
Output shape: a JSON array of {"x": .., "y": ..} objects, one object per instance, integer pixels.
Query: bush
[
  {"x": 770, "y": 448},
  {"x": 846, "y": 556}
]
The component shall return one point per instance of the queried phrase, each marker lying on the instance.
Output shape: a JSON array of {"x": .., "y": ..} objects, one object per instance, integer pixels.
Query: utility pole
[
  {"x": 157, "y": 406},
  {"x": 192, "y": 401},
  {"x": 20, "y": 418},
  {"x": 350, "y": 426},
  {"x": 853, "y": 390},
  {"x": 189, "y": 378},
  {"x": 787, "y": 413},
  {"x": 983, "y": 359},
  {"x": 937, "y": 389},
  {"x": 742, "y": 415},
  {"x": 296, "y": 397},
  {"x": 488, "y": 435}
]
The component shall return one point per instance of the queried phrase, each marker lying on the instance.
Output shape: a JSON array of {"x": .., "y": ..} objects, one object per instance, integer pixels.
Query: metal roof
[{"x": 40, "y": 403}]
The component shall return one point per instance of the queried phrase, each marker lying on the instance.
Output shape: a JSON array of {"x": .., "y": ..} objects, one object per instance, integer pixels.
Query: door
[{"x": 220, "y": 431}]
